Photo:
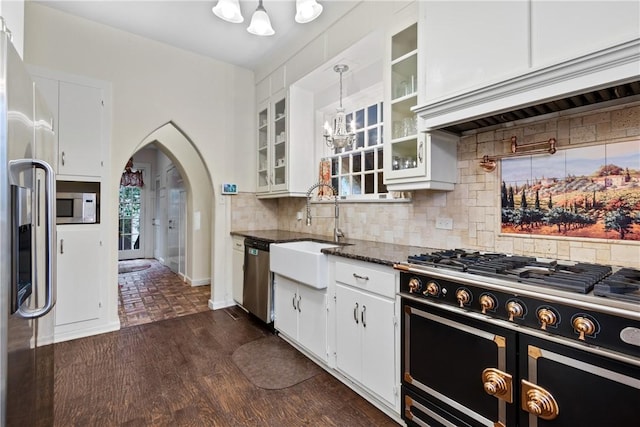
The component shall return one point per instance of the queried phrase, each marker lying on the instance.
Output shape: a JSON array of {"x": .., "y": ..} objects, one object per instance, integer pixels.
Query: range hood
[
  {"x": 602, "y": 78},
  {"x": 600, "y": 98}
]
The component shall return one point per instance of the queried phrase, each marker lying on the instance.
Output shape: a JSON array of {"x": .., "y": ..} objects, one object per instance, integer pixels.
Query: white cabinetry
[
  {"x": 413, "y": 160},
  {"x": 237, "y": 268},
  {"x": 284, "y": 164},
  {"x": 514, "y": 54},
  {"x": 366, "y": 327},
  {"x": 79, "y": 274},
  {"x": 301, "y": 314},
  {"x": 80, "y": 125}
]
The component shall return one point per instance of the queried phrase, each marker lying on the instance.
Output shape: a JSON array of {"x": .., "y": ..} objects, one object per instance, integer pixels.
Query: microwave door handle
[{"x": 50, "y": 179}]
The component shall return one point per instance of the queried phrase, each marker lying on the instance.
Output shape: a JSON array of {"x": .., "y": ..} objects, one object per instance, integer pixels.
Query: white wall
[
  {"x": 13, "y": 13},
  {"x": 153, "y": 84}
]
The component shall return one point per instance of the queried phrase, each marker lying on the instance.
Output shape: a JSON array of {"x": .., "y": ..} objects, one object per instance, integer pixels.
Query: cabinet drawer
[{"x": 367, "y": 277}]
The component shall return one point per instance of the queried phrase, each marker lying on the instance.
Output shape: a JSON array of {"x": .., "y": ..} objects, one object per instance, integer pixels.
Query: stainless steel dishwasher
[{"x": 257, "y": 295}]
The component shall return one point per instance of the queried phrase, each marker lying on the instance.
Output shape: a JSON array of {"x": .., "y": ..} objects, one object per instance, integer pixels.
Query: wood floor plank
[{"x": 179, "y": 372}]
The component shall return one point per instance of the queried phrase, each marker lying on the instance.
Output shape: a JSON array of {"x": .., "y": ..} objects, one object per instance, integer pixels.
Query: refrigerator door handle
[{"x": 15, "y": 167}]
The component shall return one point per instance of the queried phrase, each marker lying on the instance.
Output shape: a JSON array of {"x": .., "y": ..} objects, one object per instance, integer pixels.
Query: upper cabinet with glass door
[
  {"x": 285, "y": 168},
  {"x": 413, "y": 160}
]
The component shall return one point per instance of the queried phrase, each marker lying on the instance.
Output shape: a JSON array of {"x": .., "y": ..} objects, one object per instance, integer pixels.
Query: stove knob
[
  {"x": 583, "y": 326},
  {"x": 415, "y": 285},
  {"x": 546, "y": 317},
  {"x": 514, "y": 309},
  {"x": 487, "y": 302},
  {"x": 463, "y": 296},
  {"x": 433, "y": 289}
]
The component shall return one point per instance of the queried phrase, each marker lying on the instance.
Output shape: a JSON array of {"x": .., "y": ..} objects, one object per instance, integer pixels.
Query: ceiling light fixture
[
  {"x": 260, "y": 23},
  {"x": 229, "y": 10},
  {"x": 307, "y": 11},
  {"x": 338, "y": 137}
]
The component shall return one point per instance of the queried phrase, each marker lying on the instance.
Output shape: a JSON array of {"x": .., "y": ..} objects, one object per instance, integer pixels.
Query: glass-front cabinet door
[
  {"x": 279, "y": 159},
  {"x": 272, "y": 145},
  {"x": 263, "y": 147},
  {"x": 414, "y": 159},
  {"x": 405, "y": 158}
]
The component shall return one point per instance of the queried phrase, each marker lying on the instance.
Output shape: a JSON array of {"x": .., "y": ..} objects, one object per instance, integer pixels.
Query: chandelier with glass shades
[
  {"x": 229, "y": 10},
  {"x": 339, "y": 137}
]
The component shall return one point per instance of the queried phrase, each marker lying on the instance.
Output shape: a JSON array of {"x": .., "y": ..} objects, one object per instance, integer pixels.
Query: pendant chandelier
[
  {"x": 131, "y": 178},
  {"x": 339, "y": 137},
  {"x": 229, "y": 10}
]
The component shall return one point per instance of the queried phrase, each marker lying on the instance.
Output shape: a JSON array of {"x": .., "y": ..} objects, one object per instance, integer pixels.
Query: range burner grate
[
  {"x": 579, "y": 277},
  {"x": 453, "y": 259},
  {"x": 624, "y": 284}
]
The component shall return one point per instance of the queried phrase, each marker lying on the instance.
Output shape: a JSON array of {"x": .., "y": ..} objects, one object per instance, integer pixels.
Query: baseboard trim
[
  {"x": 217, "y": 305},
  {"x": 199, "y": 282},
  {"x": 87, "y": 332}
]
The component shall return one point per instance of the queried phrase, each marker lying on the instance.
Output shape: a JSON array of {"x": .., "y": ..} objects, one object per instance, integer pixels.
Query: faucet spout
[{"x": 337, "y": 233}]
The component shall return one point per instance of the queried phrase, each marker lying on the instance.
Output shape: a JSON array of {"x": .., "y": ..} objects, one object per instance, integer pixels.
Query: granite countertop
[{"x": 363, "y": 250}]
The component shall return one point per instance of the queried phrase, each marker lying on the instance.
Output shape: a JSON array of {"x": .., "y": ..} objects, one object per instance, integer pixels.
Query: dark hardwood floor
[{"x": 179, "y": 372}]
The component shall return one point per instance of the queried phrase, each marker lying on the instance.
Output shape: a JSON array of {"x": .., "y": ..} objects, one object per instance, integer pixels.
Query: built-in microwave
[{"x": 76, "y": 208}]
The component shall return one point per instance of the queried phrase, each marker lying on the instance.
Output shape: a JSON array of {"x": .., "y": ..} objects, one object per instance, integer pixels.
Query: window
[{"x": 357, "y": 171}]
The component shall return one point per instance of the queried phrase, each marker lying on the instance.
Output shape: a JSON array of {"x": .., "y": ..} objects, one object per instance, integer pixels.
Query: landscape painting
[{"x": 579, "y": 192}]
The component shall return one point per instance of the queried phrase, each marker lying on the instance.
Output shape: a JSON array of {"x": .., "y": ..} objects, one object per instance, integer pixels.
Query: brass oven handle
[
  {"x": 546, "y": 317},
  {"x": 487, "y": 302},
  {"x": 498, "y": 384},
  {"x": 583, "y": 326},
  {"x": 538, "y": 401}
]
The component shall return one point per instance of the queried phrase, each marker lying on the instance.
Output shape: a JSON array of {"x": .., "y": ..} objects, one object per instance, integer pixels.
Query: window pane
[
  {"x": 380, "y": 159},
  {"x": 369, "y": 160},
  {"x": 369, "y": 185},
  {"x": 357, "y": 163},
  {"x": 345, "y": 186},
  {"x": 344, "y": 170},
  {"x": 334, "y": 166},
  {"x": 357, "y": 184},
  {"x": 360, "y": 119},
  {"x": 381, "y": 187},
  {"x": 372, "y": 137},
  {"x": 381, "y": 112},
  {"x": 360, "y": 139},
  {"x": 335, "y": 183},
  {"x": 372, "y": 115}
]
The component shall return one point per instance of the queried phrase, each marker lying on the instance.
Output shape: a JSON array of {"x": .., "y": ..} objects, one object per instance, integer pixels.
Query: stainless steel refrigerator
[{"x": 27, "y": 244}]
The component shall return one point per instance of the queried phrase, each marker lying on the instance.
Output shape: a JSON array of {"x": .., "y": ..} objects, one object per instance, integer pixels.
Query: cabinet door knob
[
  {"x": 357, "y": 276},
  {"x": 61, "y": 246},
  {"x": 299, "y": 298},
  {"x": 62, "y": 159},
  {"x": 293, "y": 301}
]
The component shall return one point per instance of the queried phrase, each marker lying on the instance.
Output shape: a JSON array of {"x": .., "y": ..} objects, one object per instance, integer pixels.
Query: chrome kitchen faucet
[{"x": 337, "y": 233}]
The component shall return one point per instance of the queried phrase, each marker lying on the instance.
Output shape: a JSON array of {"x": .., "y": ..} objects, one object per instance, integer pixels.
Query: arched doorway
[{"x": 177, "y": 234}]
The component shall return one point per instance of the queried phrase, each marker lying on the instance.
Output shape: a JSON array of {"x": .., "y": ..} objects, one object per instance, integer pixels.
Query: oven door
[
  {"x": 564, "y": 386},
  {"x": 456, "y": 370}
]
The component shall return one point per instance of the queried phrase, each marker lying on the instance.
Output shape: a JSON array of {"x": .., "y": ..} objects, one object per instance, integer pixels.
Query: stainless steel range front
[{"x": 496, "y": 340}]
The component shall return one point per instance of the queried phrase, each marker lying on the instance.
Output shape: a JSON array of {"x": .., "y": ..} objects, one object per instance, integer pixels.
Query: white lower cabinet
[
  {"x": 366, "y": 327},
  {"x": 79, "y": 261},
  {"x": 365, "y": 337},
  {"x": 301, "y": 314},
  {"x": 237, "y": 268}
]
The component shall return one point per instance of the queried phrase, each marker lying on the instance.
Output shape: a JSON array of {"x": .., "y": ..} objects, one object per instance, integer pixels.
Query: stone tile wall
[{"x": 474, "y": 205}]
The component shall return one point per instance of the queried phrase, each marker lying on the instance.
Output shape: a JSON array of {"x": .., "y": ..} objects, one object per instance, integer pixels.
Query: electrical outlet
[
  {"x": 299, "y": 216},
  {"x": 444, "y": 223}
]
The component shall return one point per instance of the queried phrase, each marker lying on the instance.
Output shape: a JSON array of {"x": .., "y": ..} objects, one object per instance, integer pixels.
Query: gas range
[{"x": 586, "y": 303}]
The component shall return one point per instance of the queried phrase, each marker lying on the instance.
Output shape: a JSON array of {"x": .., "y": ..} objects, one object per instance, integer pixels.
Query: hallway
[{"x": 149, "y": 291}]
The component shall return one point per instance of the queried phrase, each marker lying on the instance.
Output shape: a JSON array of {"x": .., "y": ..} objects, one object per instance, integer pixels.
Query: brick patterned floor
[{"x": 156, "y": 293}]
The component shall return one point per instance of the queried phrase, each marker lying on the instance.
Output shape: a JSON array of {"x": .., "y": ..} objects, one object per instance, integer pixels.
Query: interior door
[{"x": 175, "y": 219}]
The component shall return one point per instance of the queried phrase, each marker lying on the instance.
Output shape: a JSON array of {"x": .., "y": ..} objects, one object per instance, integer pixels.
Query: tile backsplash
[{"x": 474, "y": 205}]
